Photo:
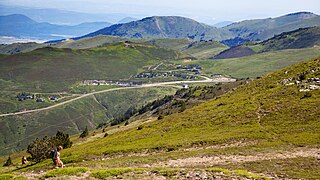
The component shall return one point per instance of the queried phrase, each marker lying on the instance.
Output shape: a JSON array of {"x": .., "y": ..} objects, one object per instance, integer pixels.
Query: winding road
[{"x": 172, "y": 83}]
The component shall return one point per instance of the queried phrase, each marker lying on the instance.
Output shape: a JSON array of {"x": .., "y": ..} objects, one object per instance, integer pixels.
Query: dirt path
[
  {"x": 115, "y": 89},
  {"x": 226, "y": 159}
]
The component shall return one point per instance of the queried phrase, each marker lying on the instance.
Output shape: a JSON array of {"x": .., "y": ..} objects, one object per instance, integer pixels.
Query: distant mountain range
[
  {"x": 62, "y": 17},
  {"x": 18, "y": 25},
  {"x": 180, "y": 27},
  {"x": 301, "y": 38},
  {"x": 160, "y": 27}
]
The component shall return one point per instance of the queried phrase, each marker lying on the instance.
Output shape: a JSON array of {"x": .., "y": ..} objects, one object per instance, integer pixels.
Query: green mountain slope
[
  {"x": 102, "y": 40},
  {"x": 300, "y": 38},
  {"x": 19, "y": 47},
  {"x": 18, "y": 131},
  {"x": 204, "y": 49},
  {"x": 271, "y": 121},
  {"x": 52, "y": 69},
  {"x": 163, "y": 27}
]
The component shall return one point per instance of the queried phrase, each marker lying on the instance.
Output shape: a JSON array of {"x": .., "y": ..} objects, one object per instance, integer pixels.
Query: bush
[
  {"x": 307, "y": 95},
  {"x": 8, "y": 162},
  {"x": 85, "y": 133},
  {"x": 105, "y": 135},
  {"x": 161, "y": 116}
]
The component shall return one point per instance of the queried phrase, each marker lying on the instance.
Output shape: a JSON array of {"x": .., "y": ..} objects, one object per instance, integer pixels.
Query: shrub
[
  {"x": 8, "y": 162},
  {"x": 161, "y": 116},
  {"x": 71, "y": 171},
  {"x": 307, "y": 95},
  {"x": 105, "y": 135},
  {"x": 85, "y": 133}
]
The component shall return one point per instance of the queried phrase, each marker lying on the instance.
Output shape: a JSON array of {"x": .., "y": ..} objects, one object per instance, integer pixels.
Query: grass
[
  {"x": 205, "y": 49},
  {"x": 256, "y": 65},
  {"x": 254, "y": 112},
  {"x": 72, "y": 118},
  {"x": 69, "y": 171},
  {"x": 242, "y": 173},
  {"x": 9, "y": 102},
  {"x": 6, "y": 176},
  {"x": 105, "y": 173},
  {"x": 230, "y": 118},
  {"x": 37, "y": 70}
]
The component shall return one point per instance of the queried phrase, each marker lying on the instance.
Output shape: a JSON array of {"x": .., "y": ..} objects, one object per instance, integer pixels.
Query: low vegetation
[{"x": 68, "y": 171}]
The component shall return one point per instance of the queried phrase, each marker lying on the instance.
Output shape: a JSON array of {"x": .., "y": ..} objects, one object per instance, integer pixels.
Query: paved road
[{"x": 121, "y": 88}]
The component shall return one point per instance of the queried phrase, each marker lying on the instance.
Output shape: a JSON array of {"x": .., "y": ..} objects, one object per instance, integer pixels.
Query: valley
[{"x": 165, "y": 97}]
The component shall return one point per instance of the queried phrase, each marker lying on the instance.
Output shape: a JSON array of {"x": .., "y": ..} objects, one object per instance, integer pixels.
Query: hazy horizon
[{"x": 206, "y": 11}]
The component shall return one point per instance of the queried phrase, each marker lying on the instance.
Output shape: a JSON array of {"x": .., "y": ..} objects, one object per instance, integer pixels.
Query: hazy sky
[{"x": 203, "y": 10}]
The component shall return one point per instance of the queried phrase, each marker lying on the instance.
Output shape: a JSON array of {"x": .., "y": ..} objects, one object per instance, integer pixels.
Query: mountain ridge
[
  {"x": 162, "y": 27},
  {"x": 19, "y": 25}
]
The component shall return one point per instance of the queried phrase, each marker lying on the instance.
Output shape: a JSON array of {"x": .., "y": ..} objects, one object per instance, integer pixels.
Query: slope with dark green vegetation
[
  {"x": 266, "y": 128},
  {"x": 17, "y": 131},
  {"x": 297, "y": 39},
  {"x": 52, "y": 69}
]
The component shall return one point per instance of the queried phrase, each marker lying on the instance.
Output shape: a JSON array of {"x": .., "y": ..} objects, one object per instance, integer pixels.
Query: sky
[{"x": 207, "y": 11}]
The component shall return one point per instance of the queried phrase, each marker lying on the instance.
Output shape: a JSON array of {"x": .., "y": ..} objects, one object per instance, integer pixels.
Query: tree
[
  {"x": 85, "y": 133},
  {"x": 40, "y": 149},
  {"x": 62, "y": 139},
  {"x": 8, "y": 162}
]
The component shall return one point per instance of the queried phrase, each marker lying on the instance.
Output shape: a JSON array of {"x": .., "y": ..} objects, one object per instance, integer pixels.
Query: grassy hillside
[
  {"x": 251, "y": 132},
  {"x": 204, "y": 49},
  {"x": 52, "y": 69},
  {"x": 19, "y": 47},
  {"x": 255, "y": 65},
  {"x": 93, "y": 42},
  {"x": 19, "y": 130}
]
